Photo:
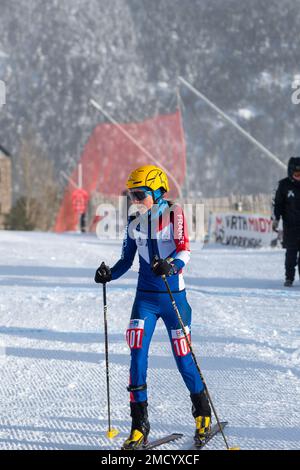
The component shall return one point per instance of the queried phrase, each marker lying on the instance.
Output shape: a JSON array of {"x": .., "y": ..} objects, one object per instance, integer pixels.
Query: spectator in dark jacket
[{"x": 286, "y": 205}]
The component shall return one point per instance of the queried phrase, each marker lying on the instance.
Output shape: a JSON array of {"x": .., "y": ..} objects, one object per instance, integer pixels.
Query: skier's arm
[
  {"x": 277, "y": 203},
  {"x": 127, "y": 256},
  {"x": 181, "y": 239}
]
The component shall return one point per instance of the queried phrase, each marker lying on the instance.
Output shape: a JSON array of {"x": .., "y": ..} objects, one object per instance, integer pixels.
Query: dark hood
[{"x": 293, "y": 165}]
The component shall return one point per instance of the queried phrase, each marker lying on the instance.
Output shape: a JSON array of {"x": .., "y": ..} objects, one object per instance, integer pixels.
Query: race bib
[
  {"x": 180, "y": 345},
  {"x": 134, "y": 334}
]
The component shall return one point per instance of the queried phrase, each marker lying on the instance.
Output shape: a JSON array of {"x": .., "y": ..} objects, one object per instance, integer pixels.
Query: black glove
[
  {"x": 163, "y": 267},
  {"x": 275, "y": 225},
  {"x": 103, "y": 274}
]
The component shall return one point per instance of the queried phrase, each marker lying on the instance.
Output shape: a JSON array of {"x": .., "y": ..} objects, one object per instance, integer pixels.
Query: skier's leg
[
  {"x": 139, "y": 334},
  {"x": 183, "y": 357},
  {"x": 186, "y": 365},
  {"x": 290, "y": 264},
  {"x": 180, "y": 349}
]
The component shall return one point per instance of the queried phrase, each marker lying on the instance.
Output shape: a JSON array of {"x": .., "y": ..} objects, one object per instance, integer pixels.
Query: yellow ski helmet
[{"x": 150, "y": 176}]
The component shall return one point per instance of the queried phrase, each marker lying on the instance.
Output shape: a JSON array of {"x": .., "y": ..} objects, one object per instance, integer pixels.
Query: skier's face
[
  {"x": 296, "y": 175},
  {"x": 142, "y": 199}
]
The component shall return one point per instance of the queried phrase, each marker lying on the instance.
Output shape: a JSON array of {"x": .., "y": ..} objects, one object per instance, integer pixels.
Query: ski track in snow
[{"x": 53, "y": 390}]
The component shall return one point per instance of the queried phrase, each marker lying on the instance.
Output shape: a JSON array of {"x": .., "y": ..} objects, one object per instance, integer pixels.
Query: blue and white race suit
[{"x": 161, "y": 231}]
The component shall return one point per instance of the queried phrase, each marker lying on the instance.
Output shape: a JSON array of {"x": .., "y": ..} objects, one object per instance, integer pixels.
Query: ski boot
[
  {"x": 140, "y": 427},
  {"x": 202, "y": 414},
  {"x": 288, "y": 283},
  {"x": 203, "y": 427}
]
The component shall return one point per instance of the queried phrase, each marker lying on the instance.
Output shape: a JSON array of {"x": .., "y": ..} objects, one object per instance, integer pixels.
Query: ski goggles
[{"x": 139, "y": 194}]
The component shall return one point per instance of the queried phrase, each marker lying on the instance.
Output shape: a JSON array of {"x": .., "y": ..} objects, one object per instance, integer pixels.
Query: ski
[
  {"x": 214, "y": 431},
  {"x": 161, "y": 441}
]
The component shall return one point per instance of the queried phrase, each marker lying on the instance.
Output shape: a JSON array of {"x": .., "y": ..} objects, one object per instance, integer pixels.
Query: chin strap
[{"x": 158, "y": 196}]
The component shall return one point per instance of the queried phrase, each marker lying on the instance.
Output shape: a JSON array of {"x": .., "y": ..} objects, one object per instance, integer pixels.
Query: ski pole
[
  {"x": 196, "y": 363},
  {"x": 111, "y": 433}
]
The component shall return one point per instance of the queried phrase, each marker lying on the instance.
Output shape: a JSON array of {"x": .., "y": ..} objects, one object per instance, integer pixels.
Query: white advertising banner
[{"x": 241, "y": 230}]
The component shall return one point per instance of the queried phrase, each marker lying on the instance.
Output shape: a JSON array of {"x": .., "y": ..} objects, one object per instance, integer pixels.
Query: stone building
[{"x": 5, "y": 185}]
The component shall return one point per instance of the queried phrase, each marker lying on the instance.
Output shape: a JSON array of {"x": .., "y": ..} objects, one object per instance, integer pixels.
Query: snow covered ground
[{"x": 246, "y": 330}]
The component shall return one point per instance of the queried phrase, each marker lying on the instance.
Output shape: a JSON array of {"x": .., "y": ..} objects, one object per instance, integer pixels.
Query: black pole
[
  {"x": 106, "y": 354},
  {"x": 194, "y": 357}
]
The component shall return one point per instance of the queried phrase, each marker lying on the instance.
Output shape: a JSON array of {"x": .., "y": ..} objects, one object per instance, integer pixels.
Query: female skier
[{"x": 158, "y": 230}]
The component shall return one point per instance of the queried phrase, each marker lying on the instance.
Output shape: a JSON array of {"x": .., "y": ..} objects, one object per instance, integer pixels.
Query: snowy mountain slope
[
  {"x": 128, "y": 54},
  {"x": 52, "y": 391}
]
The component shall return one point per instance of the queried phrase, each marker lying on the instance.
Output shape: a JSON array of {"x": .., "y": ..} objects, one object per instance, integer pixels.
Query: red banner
[{"x": 109, "y": 157}]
